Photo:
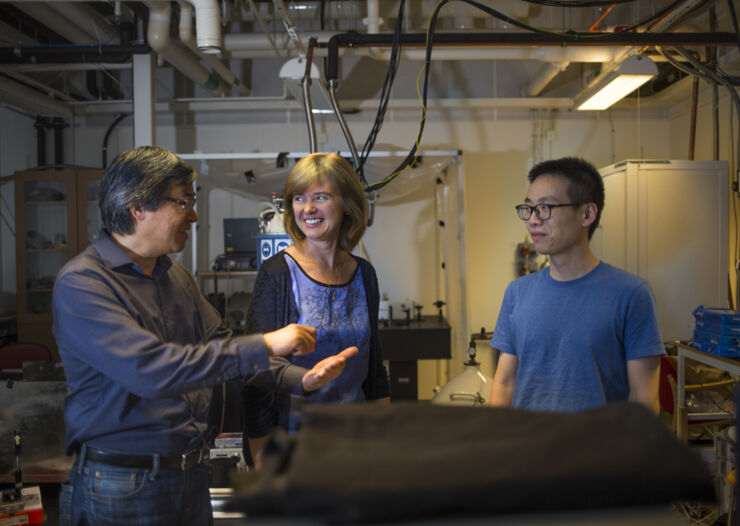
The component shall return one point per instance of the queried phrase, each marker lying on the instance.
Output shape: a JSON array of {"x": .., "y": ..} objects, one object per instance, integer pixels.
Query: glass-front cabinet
[{"x": 57, "y": 216}]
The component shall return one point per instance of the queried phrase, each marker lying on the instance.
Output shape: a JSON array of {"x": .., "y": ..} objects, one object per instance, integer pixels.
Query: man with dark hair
[
  {"x": 142, "y": 349},
  {"x": 580, "y": 333}
]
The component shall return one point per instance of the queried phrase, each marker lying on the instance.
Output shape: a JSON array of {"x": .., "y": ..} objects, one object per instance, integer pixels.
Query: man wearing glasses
[
  {"x": 142, "y": 349},
  {"x": 579, "y": 333}
]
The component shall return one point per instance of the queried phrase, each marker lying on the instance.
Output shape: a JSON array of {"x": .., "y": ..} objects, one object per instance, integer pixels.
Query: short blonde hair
[{"x": 335, "y": 170}]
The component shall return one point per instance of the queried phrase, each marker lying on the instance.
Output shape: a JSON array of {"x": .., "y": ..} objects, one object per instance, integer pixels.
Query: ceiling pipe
[
  {"x": 372, "y": 21},
  {"x": 88, "y": 20},
  {"x": 208, "y": 24},
  {"x": 50, "y": 18},
  {"x": 13, "y": 34},
  {"x": 16, "y": 94},
  {"x": 58, "y": 126},
  {"x": 186, "y": 35},
  {"x": 40, "y": 126},
  {"x": 182, "y": 59},
  {"x": 253, "y": 45},
  {"x": 68, "y": 55},
  {"x": 521, "y": 39},
  {"x": 37, "y": 68},
  {"x": 51, "y": 92},
  {"x": 548, "y": 72}
]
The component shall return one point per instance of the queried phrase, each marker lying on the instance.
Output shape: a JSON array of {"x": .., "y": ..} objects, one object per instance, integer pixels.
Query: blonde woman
[{"x": 318, "y": 282}]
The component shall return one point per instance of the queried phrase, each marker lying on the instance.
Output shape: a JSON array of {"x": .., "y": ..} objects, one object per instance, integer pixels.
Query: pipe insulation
[
  {"x": 208, "y": 26},
  {"x": 18, "y": 95},
  {"x": 175, "y": 53},
  {"x": 50, "y": 18},
  {"x": 88, "y": 20}
]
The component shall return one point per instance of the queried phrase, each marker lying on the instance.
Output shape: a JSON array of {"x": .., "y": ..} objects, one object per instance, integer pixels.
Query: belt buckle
[{"x": 190, "y": 458}]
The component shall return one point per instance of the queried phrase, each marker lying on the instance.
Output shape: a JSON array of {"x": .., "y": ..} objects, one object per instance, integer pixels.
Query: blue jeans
[{"x": 101, "y": 494}]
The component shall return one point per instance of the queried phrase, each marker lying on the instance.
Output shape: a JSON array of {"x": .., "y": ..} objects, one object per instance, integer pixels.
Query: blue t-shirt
[
  {"x": 573, "y": 338},
  {"x": 339, "y": 313}
]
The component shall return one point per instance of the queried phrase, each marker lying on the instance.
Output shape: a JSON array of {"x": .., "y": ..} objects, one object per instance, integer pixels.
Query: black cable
[
  {"x": 385, "y": 93},
  {"x": 585, "y": 36},
  {"x": 410, "y": 159},
  {"x": 411, "y": 156},
  {"x": 576, "y": 3},
  {"x": 107, "y": 135},
  {"x": 706, "y": 73}
]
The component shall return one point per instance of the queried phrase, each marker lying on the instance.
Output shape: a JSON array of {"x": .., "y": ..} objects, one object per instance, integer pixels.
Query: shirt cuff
[
  {"x": 293, "y": 378},
  {"x": 253, "y": 355}
]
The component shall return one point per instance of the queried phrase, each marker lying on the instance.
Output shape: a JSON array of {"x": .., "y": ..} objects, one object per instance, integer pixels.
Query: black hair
[
  {"x": 584, "y": 182},
  {"x": 138, "y": 178}
]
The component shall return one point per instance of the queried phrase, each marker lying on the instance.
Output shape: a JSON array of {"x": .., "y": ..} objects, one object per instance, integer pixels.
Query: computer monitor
[{"x": 238, "y": 232}]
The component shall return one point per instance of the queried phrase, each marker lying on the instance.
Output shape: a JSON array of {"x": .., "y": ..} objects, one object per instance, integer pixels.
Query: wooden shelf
[{"x": 50, "y": 218}]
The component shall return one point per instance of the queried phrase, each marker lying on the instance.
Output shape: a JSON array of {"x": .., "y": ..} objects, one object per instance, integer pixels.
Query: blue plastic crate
[
  {"x": 717, "y": 320},
  {"x": 717, "y": 338},
  {"x": 727, "y": 351}
]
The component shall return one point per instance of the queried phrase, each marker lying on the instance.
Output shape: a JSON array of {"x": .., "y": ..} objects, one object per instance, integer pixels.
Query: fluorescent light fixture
[{"x": 617, "y": 84}]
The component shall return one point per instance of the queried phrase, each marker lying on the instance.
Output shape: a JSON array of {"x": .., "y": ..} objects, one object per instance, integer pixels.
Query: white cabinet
[{"x": 666, "y": 221}]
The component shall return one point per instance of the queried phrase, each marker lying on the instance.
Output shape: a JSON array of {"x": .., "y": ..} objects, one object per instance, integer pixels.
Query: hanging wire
[
  {"x": 412, "y": 156},
  {"x": 702, "y": 71},
  {"x": 385, "y": 93},
  {"x": 576, "y": 3}
]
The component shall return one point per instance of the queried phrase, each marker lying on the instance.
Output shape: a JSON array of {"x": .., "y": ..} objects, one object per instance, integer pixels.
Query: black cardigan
[{"x": 273, "y": 306}]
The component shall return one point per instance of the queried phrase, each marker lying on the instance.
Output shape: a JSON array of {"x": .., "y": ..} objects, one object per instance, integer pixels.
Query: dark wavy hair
[
  {"x": 138, "y": 178},
  {"x": 584, "y": 182}
]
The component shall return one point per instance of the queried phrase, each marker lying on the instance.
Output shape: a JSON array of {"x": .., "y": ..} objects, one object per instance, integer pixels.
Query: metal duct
[
  {"x": 208, "y": 26},
  {"x": 186, "y": 36},
  {"x": 548, "y": 72},
  {"x": 177, "y": 54},
  {"x": 59, "y": 24},
  {"x": 87, "y": 19},
  {"x": 35, "y": 103}
]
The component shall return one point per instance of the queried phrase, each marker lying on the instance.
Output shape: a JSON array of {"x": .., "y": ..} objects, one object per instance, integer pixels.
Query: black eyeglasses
[
  {"x": 185, "y": 206},
  {"x": 542, "y": 210}
]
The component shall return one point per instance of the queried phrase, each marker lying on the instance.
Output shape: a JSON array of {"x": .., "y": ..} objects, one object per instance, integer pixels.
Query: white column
[{"x": 143, "y": 100}]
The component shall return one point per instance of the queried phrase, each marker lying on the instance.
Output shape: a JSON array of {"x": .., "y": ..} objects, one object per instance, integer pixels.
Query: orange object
[
  {"x": 603, "y": 15},
  {"x": 26, "y": 512}
]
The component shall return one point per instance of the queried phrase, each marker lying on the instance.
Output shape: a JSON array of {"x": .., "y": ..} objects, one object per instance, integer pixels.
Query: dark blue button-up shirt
[{"x": 141, "y": 353}]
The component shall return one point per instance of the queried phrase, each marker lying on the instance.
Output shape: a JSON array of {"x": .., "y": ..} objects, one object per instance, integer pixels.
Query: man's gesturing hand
[
  {"x": 327, "y": 369},
  {"x": 292, "y": 339}
]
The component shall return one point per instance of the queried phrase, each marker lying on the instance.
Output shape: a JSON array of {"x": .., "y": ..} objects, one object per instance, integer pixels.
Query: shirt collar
[{"x": 113, "y": 255}]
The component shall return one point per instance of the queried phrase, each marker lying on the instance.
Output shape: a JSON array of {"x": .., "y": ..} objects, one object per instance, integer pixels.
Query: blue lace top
[{"x": 339, "y": 313}]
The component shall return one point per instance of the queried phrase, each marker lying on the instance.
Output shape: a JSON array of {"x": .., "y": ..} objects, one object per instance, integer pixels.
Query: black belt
[{"x": 184, "y": 461}]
